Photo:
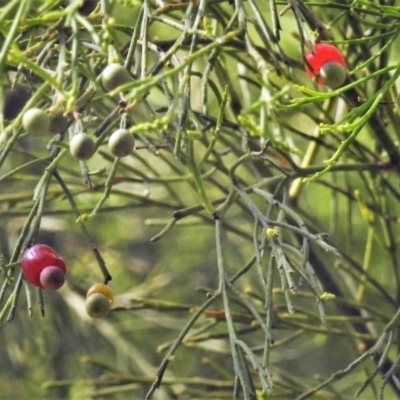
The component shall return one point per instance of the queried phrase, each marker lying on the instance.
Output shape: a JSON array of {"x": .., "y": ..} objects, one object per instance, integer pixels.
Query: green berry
[
  {"x": 58, "y": 123},
  {"x": 36, "y": 122},
  {"x": 114, "y": 75},
  {"x": 121, "y": 143},
  {"x": 97, "y": 305},
  {"x": 332, "y": 74},
  {"x": 82, "y": 146}
]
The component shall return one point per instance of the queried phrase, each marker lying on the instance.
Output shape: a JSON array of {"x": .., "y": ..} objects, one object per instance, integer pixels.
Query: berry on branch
[
  {"x": 43, "y": 267},
  {"x": 327, "y": 65}
]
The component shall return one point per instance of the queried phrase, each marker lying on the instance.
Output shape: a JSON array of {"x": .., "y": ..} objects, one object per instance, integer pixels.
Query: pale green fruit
[
  {"x": 82, "y": 146},
  {"x": 36, "y": 122},
  {"x": 121, "y": 143},
  {"x": 114, "y": 75},
  {"x": 333, "y": 74},
  {"x": 97, "y": 305}
]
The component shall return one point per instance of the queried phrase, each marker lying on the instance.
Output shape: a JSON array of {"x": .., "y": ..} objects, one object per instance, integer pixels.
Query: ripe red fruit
[
  {"x": 328, "y": 65},
  {"x": 36, "y": 259}
]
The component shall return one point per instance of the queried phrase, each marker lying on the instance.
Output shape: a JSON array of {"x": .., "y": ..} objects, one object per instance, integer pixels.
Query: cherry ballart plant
[{"x": 226, "y": 173}]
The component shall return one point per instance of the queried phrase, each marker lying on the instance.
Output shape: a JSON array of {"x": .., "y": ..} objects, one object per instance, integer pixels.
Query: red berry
[
  {"x": 52, "y": 278},
  {"x": 36, "y": 259},
  {"x": 322, "y": 54}
]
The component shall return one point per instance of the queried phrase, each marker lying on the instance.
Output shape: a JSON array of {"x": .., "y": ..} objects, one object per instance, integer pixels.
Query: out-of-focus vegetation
[{"x": 251, "y": 236}]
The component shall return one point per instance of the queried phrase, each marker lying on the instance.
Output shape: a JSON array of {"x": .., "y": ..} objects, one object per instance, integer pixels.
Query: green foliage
[{"x": 250, "y": 237}]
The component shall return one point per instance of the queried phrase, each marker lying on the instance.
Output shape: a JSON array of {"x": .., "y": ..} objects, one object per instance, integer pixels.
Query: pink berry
[
  {"x": 36, "y": 259},
  {"x": 323, "y": 54},
  {"x": 52, "y": 278}
]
